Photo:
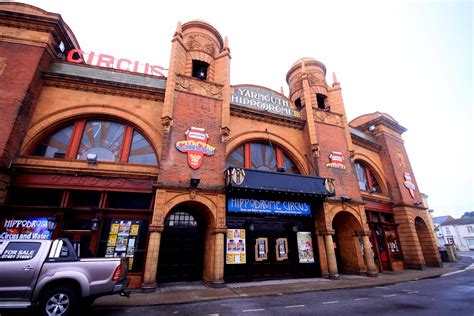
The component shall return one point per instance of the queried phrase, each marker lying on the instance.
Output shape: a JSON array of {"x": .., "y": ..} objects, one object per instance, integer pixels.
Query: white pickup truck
[{"x": 48, "y": 275}]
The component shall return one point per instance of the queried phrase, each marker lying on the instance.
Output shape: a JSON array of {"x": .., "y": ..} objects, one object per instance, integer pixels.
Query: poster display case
[
  {"x": 235, "y": 246},
  {"x": 281, "y": 249},
  {"x": 305, "y": 247},
  {"x": 261, "y": 249},
  {"x": 123, "y": 240}
]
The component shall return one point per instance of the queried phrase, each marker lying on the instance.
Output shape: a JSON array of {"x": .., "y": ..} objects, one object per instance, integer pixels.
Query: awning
[{"x": 240, "y": 179}]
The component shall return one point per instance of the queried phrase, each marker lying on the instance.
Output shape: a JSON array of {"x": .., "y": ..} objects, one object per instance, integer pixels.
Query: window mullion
[
  {"x": 75, "y": 139},
  {"x": 369, "y": 180},
  {"x": 279, "y": 157},
  {"x": 247, "y": 156},
  {"x": 127, "y": 143}
]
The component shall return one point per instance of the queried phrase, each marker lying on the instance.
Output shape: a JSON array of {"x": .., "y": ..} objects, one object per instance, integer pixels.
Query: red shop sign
[{"x": 102, "y": 60}]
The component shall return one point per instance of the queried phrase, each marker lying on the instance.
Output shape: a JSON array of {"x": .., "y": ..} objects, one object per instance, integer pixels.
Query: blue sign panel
[{"x": 238, "y": 205}]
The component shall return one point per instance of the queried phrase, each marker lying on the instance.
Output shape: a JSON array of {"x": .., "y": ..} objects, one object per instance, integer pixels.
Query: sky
[{"x": 410, "y": 59}]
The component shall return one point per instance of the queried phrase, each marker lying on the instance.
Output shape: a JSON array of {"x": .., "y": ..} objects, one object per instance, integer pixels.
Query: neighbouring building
[
  {"x": 190, "y": 177},
  {"x": 459, "y": 232},
  {"x": 437, "y": 221}
]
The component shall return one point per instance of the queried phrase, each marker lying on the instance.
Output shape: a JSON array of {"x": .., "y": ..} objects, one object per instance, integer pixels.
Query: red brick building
[{"x": 190, "y": 177}]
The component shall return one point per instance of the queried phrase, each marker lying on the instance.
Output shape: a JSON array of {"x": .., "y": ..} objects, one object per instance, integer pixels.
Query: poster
[
  {"x": 235, "y": 246},
  {"x": 281, "y": 249},
  {"x": 305, "y": 247},
  {"x": 29, "y": 228},
  {"x": 123, "y": 240},
  {"x": 261, "y": 249}
]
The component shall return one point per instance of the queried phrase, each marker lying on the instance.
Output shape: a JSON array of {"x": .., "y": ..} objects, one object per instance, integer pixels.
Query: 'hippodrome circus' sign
[
  {"x": 195, "y": 146},
  {"x": 263, "y": 99}
]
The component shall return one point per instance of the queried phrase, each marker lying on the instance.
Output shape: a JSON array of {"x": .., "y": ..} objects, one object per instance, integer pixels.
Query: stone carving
[
  {"x": 328, "y": 117},
  {"x": 209, "y": 48},
  {"x": 166, "y": 122},
  {"x": 315, "y": 150},
  {"x": 212, "y": 90},
  {"x": 313, "y": 80},
  {"x": 3, "y": 65},
  {"x": 401, "y": 159},
  {"x": 184, "y": 83},
  {"x": 199, "y": 87},
  {"x": 296, "y": 85},
  {"x": 192, "y": 43},
  {"x": 197, "y": 41},
  {"x": 225, "y": 132}
]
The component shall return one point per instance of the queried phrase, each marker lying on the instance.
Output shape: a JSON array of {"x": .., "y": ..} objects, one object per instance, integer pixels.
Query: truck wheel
[{"x": 60, "y": 301}]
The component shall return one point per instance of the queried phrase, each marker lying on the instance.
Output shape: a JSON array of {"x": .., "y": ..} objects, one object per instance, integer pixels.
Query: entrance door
[
  {"x": 382, "y": 250},
  {"x": 273, "y": 255},
  {"x": 182, "y": 248}
]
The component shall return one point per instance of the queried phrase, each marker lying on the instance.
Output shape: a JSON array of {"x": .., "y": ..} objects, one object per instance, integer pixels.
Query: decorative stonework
[
  {"x": 296, "y": 85},
  {"x": 401, "y": 159},
  {"x": 196, "y": 86},
  {"x": 328, "y": 117},
  {"x": 266, "y": 117},
  {"x": 184, "y": 84},
  {"x": 3, "y": 65},
  {"x": 225, "y": 132},
  {"x": 315, "y": 150},
  {"x": 166, "y": 122},
  {"x": 221, "y": 203},
  {"x": 116, "y": 90},
  {"x": 201, "y": 42},
  {"x": 318, "y": 79}
]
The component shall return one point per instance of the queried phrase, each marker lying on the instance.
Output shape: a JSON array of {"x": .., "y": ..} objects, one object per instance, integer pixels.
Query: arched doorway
[
  {"x": 426, "y": 243},
  {"x": 182, "y": 246},
  {"x": 348, "y": 246}
]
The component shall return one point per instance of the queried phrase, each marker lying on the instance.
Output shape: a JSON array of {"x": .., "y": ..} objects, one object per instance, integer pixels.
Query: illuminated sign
[
  {"x": 263, "y": 99},
  {"x": 30, "y": 228},
  {"x": 102, "y": 60},
  {"x": 238, "y": 205},
  {"x": 195, "y": 146}
]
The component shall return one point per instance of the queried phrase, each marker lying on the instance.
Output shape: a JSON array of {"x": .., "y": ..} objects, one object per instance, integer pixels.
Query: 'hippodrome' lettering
[{"x": 263, "y": 99}]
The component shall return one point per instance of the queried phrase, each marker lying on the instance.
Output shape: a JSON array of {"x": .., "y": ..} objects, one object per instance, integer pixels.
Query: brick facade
[{"x": 41, "y": 92}]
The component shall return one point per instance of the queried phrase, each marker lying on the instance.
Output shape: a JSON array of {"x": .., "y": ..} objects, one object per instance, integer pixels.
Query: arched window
[
  {"x": 366, "y": 177},
  {"x": 108, "y": 140},
  {"x": 261, "y": 156},
  {"x": 181, "y": 219}
]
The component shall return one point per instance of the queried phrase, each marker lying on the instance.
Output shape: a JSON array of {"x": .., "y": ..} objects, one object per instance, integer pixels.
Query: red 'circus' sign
[
  {"x": 195, "y": 146},
  {"x": 102, "y": 60}
]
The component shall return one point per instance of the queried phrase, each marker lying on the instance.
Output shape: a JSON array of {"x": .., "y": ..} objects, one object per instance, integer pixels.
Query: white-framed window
[
  {"x": 470, "y": 242},
  {"x": 470, "y": 229},
  {"x": 448, "y": 230},
  {"x": 456, "y": 229}
]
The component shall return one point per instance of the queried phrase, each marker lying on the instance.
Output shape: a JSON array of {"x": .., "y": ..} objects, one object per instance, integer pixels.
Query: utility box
[{"x": 452, "y": 252}]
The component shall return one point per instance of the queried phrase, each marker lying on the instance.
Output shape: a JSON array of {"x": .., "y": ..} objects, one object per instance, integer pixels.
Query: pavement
[{"x": 188, "y": 292}]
